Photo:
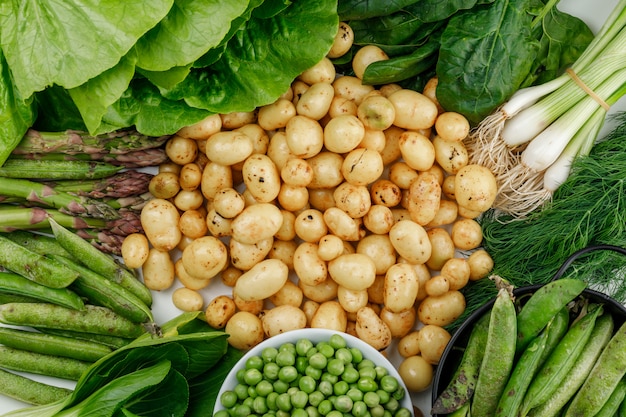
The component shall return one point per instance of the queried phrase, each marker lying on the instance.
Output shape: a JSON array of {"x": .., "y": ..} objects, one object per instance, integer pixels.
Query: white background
[{"x": 593, "y": 13}]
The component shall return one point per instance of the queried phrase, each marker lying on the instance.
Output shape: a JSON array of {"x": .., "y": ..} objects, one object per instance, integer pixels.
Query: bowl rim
[
  {"x": 316, "y": 335},
  {"x": 462, "y": 330}
]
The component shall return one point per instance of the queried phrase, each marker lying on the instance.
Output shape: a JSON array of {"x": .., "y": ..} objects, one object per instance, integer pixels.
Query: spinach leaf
[
  {"x": 262, "y": 59},
  {"x": 401, "y": 28},
  {"x": 169, "y": 398},
  {"x": 55, "y": 42},
  {"x": 190, "y": 29},
  {"x": 480, "y": 69},
  {"x": 363, "y": 9},
  {"x": 17, "y": 113}
]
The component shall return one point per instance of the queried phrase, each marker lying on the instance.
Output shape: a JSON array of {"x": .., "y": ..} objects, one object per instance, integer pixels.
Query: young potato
[
  {"x": 186, "y": 299},
  {"x": 244, "y": 256},
  {"x": 190, "y": 176},
  {"x": 443, "y": 247},
  {"x": 351, "y": 300},
  {"x": 262, "y": 281},
  {"x": 466, "y": 234},
  {"x": 287, "y": 229},
  {"x": 451, "y": 155},
  {"x": 343, "y": 41},
  {"x": 202, "y": 129},
  {"x": 164, "y": 185},
  {"x": 340, "y": 224},
  {"x": 353, "y": 199},
  {"x": 417, "y": 150},
  {"x": 289, "y": 294},
  {"x": 379, "y": 219},
  {"x": 315, "y": 102},
  {"x": 452, "y": 126},
  {"x": 320, "y": 293},
  {"x": 376, "y": 291},
  {"x": 380, "y": 250},
  {"x": 251, "y": 306},
  {"x": 188, "y": 200},
  {"x": 365, "y": 56},
  {"x": 187, "y": 280},
  {"x": 181, "y": 150},
  {"x": 400, "y": 288},
  {"x": 307, "y": 264},
  {"x": 391, "y": 152},
  {"x": 399, "y": 323},
  {"x": 305, "y": 136},
  {"x": 159, "y": 220},
  {"x": 256, "y": 222},
  {"x": 329, "y": 247},
  {"x": 310, "y": 225},
  {"x": 158, "y": 270},
  {"x": 408, "y": 345},
  {"x": 192, "y": 223},
  {"x": 276, "y": 115},
  {"x": 330, "y": 315},
  {"x": 402, "y": 175},
  {"x": 372, "y": 329},
  {"x": 326, "y": 170},
  {"x": 351, "y": 87},
  {"x": 343, "y": 133},
  {"x": 297, "y": 172},
  {"x": 261, "y": 177},
  {"x": 282, "y": 319},
  {"x": 413, "y": 110},
  {"x": 442, "y": 309},
  {"x": 353, "y": 271},
  {"x": 432, "y": 342},
  {"x": 437, "y": 285},
  {"x": 228, "y": 147},
  {"x": 416, "y": 373},
  {"x": 245, "y": 330},
  {"x": 217, "y": 225},
  {"x": 293, "y": 197},
  {"x": 230, "y": 275},
  {"x": 376, "y": 112},
  {"x": 447, "y": 214},
  {"x": 362, "y": 166},
  {"x": 411, "y": 241},
  {"x": 424, "y": 198},
  {"x": 260, "y": 138},
  {"x": 214, "y": 178},
  {"x": 480, "y": 263},
  {"x": 322, "y": 72},
  {"x": 205, "y": 257},
  {"x": 283, "y": 250},
  {"x": 430, "y": 91},
  {"x": 457, "y": 271},
  {"x": 219, "y": 310},
  {"x": 235, "y": 120},
  {"x": 135, "y": 248},
  {"x": 475, "y": 187},
  {"x": 228, "y": 203},
  {"x": 309, "y": 307}
]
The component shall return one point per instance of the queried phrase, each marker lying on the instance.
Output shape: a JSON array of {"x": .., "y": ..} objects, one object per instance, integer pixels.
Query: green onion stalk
[{"x": 529, "y": 143}]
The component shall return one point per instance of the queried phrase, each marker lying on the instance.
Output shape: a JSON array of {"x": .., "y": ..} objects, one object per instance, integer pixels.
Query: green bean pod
[
  {"x": 547, "y": 301},
  {"x": 100, "y": 262},
  {"x": 37, "y": 363},
  {"x": 53, "y": 345},
  {"x": 91, "y": 319},
  {"x": 34, "y": 266},
  {"x": 560, "y": 361},
  {"x": 30, "y": 391},
  {"x": 16, "y": 284},
  {"x": 600, "y": 336},
  {"x": 106, "y": 293},
  {"x": 612, "y": 405},
  {"x": 461, "y": 387},
  {"x": 498, "y": 359},
  {"x": 604, "y": 377},
  {"x": 529, "y": 363}
]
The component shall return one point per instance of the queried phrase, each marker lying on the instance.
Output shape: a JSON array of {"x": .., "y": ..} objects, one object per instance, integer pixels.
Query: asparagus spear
[
  {"x": 133, "y": 159},
  {"x": 122, "y": 184},
  {"x": 65, "y": 202},
  {"x": 77, "y": 142},
  {"x": 44, "y": 169}
]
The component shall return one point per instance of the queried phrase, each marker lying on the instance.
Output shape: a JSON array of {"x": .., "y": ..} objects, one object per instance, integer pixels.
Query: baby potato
[
  {"x": 262, "y": 281},
  {"x": 192, "y": 223},
  {"x": 353, "y": 199},
  {"x": 292, "y": 197},
  {"x": 217, "y": 225},
  {"x": 466, "y": 234},
  {"x": 408, "y": 345},
  {"x": 457, "y": 271},
  {"x": 164, "y": 185},
  {"x": 417, "y": 150},
  {"x": 297, "y": 172},
  {"x": 353, "y": 271},
  {"x": 386, "y": 193},
  {"x": 342, "y": 42},
  {"x": 307, "y": 264},
  {"x": 326, "y": 170},
  {"x": 261, "y": 177},
  {"x": 309, "y": 308},
  {"x": 362, "y": 166},
  {"x": 376, "y": 291},
  {"x": 441, "y": 310},
  {"x": 351, "y": 87},
  {"x": 443, "y": 247},
  {"x": 310, "y": 225},
  {"x": 372, "y": 329},
  {"x": 380, "y": 250},
  {"x": 329, "y": 247},
  {"x": 475, "y": 187},
  {"x": 424, "y": 198},
  {"x": 322, "y": 72},
  {"x": 251, "y": 306},
  {"x": 391, "y": 152},
  {"x": 228, "y": 147},
  {"x": 186, "y": 299},
  {"x": 411, "y": 241},
  {"x": 230, "y": 275},
  {"x": 219, "y": 310},
  {"x": 305, "y": 136},
  {"x": 330, "y": 315},
  {"x": 158, "y": 270},
  {"x": 432, "y": 342},
  {"x": 437, "y": 285},
  {"x": 202, "y": 129},
  {"x": 315, "y": 101},
  {"x": 452, "y": 126},
  {"x": 245, "y": 330},
  {"x": 401, "y": 174},
  {"x": 276, "y": 115},
  {"x": 214, "y": 178},
  {"x": 351, "y": 300},
  {"x": 320, "y": 293},
  {"x": 159, "y": 219},
  {"x": 190, "y": 176},
  {"x": 379, "y": 219},
  {"x": 237, "y": 119},
  {"x": 289, "y": 294},
  {"x": 365, "y": 56},
  {"x": 135, "y": 248},
  {"x": 400, "y": 288},
  {"x": 187, "y": 280},
  {"x": 340, "y": 224},
  {"x": 278, "y": 151},
  {"x": 283, "y": 250},
  {"x": 181, "y": 150},
  {"x": 480, "y": 263},
  {"x": 416, "y": 372},
  {"x": 447, "y": 214},
  {"x": 205, "y": 257},
  {"x": 399, "y": 323},
  {"x": 414, "y": 110},
  {"x": 451, "y": 155},
  {"x": 228, "y": 202},
  {"x": 244, "y": 256},
  {"x": 282, "y": 319},
  {"x": 343, "y": 133},
  {"x": 376, "y": 112},
  {"x": 256, "y": 222}
]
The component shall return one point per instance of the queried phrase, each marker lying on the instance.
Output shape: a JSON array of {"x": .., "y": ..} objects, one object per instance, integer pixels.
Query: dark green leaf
[
  {"x": 169, "y": 398},
  {"x": 401, "y": 28},
  {"x": 480, "y": 69},
  {"x": 55, "y": 42},
  {"x": 57, "y": 111},
  {"x": 363, "y": 9},
  {"x": 17, "y": 114},
  {"x": 270, "y": 8},
  {"x": 190, "y": 29},
  {"x": 438, "y": 10}
]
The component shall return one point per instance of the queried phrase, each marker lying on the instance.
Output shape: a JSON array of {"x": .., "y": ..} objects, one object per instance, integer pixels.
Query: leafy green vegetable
[
  {"x": 363, "y": 9},
  {"x": 17, "y": 113}
]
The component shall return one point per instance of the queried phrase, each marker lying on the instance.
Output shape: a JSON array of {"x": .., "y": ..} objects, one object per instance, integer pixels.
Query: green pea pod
[
  {"x": 560, "y": 361},
  {"x": 529, "y": 363},
  {"x": 612, "y": 405},
  {"x": 15, "y": 284},
  {"x": 606, "y": 374},
  {"x": 571, "y": 383},
  {"x": 621, "y": 411},
  {"x": 463, "y": 411},
  {"x": 543, "y": 305},
  {"x": 497, "y": 362},
  {"x": 461, "y": 387}
]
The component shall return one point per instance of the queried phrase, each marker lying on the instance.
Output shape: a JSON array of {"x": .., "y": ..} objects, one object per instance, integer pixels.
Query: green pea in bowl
[{"x": 313, "y": 372}]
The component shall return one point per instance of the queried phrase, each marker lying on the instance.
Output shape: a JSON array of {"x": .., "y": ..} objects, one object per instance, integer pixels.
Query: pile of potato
[{"x": 340, "y": 205}]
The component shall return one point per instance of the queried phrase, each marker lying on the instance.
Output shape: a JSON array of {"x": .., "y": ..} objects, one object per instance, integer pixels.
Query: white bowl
[{"x": 315, "y": 336}]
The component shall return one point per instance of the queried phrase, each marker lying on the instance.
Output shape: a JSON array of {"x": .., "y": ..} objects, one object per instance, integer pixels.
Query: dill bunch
[{"x": 588, "y": 209}]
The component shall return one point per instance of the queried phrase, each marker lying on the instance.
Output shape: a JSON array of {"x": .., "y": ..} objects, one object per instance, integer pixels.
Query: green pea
[
  {"x": 242, "y": 391},
  {"x": 252, "y": 376},
  {"x": 312, "y": 411},
  {"x": 366, "y": 363},
  {"x": 270, "y": 401},
  {"x": 389, "y": 383},
  {"x": 398, "y": 394},
  {"x": 355, "y": 394},
  {"x": 318, "y": 361},
  {"x": 383, "y": 395},
  {"x": 335, "y": 367},
  {"x": 254, "y": 362},
  {"x": 264, "y": 387},
  {"x": 283, "y": 402},
  {"x": 316, "y": 397},
  {"x": 392, "y": 405},
  {"x": 311, "y": 352},
  {"x": 330, "y": 378},
  {"x": 229, "y": 399},
  {"x": 371, "y": 399},
  {"x": 314, "y": 373},
  {"x": 301, "y": 363},
  {"x": 377, "y": 411},
  {"x": 367, "y": 372},
  {"x": 299, "y": 412},
  {"x": 325, "y": 387},
  {"x": 239, "y": 375},
  {"x": 270, "y": 371},
  {"x": 285, "y": 358},
  {"x": 325, "y": 407},
  {"x": 350, "y": 375},
  {"x": 381, "y": 371},
  {"x": 344, "y": 355},
  {"x": 335, "y": 413},
  {"x": 241, "y": 410},
  {"x": 307, "y": 384},
  {"x": 221, "y": 413},
  {"x": 341, "y": 387},
  {"x": 367, "y": 384},
  {"x": 359, "y": 409},
  {"x": 343, "y": 403},
  {"x": 289, "y": 347},
  {"x": 259, "y": 405},
  {"x": 248, "y": 402},
  {"x": 252, "y": 392},
  {"x": 288, "y": 374},
  {"x": 326, "y": 349},
  {"x": 357, "y": 355},
  {"x": 280, "y": 386},
  {"x": 403, "y": 412},
  {"x": 387, "y": 413},
  {"x": 337, "y": 341},
  {"x": 281, "y": 413},
  {"x": 299, "y": 399},
  {"x": 303, "y": 346},
  {"x": 269, "y": 354}
]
